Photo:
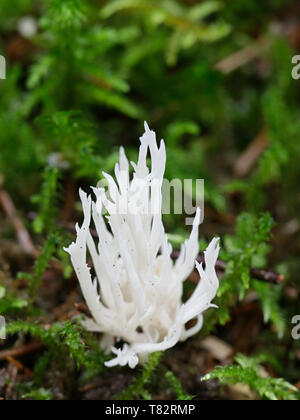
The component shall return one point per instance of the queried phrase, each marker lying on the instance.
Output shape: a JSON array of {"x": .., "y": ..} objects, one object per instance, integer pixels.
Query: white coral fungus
[{"x": 136, "y": 296}]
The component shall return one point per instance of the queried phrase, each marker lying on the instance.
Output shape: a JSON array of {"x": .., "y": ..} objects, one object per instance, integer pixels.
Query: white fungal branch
[{"x": 136, "y": 296}]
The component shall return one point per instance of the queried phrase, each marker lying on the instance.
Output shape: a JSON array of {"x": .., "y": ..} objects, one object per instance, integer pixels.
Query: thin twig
[
  {"x": 242, "y": 57},
  {"x": 21, "y": 232},
  {"x": 21, "y": 351},
  {"x": 250, "y": 156},
  {"x": 20, "y": 366}
]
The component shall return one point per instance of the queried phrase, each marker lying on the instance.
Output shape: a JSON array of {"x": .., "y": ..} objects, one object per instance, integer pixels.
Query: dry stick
[
  {"x": 21, "y": 351},
  {"x": 20, "y": 366},
  {"x": 22, "y": 234},
  {"x": 249, "y": 158},
  {"x": 242, "y": 57},
  {"x": 267, "y": 276}
]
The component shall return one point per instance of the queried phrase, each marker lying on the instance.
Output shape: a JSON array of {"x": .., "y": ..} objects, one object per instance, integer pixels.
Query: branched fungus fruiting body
[{"x": 136, "y": 296}]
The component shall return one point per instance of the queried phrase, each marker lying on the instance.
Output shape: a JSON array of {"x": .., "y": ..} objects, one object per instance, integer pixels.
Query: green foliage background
[{"x": 92, "y": 73}]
